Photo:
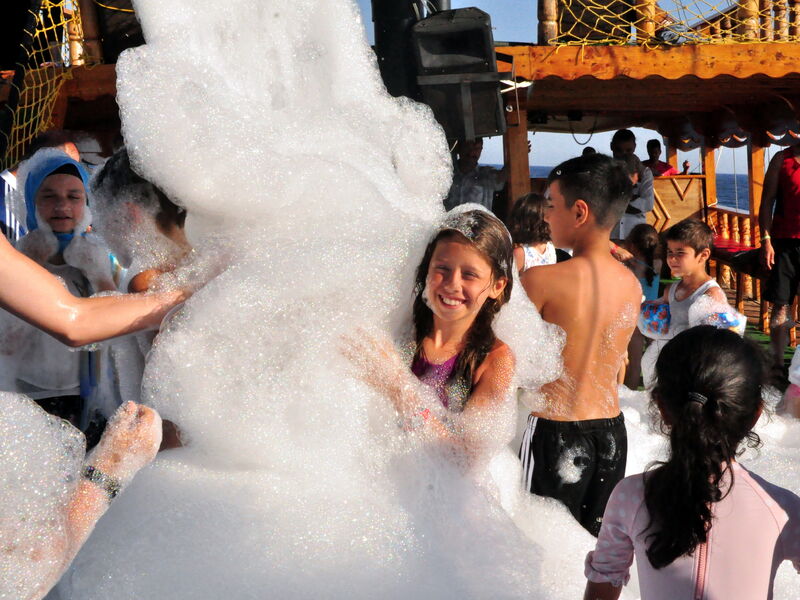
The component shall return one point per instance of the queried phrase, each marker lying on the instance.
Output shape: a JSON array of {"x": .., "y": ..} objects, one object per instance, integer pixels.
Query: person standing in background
[
  {"x": 471, "y": 182},
  {"x": 659, "y": 168},
  {"x": 622, "y": 144},
  {"x": 780, "y": 243}
]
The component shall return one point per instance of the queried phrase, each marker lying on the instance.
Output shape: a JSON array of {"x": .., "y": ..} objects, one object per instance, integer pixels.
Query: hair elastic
[{"x": 698, "y": 397}]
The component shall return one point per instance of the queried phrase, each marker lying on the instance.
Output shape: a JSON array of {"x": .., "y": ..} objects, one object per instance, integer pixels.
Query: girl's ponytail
[{"x": 708, "y": 390}]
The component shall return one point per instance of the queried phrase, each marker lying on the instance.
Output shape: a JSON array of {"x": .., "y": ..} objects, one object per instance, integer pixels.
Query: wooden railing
[
  {"x": 740, "y": 227},
  {"x": 645, "y": 22},
  {"x": 731, "y": 224},
  {"x": 754, "y": 20}
]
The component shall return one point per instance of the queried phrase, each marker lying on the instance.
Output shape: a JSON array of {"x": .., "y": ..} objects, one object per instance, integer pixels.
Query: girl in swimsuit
[
  {"x": 464, "y": 278},
  {"x": 700, "y": 525}
]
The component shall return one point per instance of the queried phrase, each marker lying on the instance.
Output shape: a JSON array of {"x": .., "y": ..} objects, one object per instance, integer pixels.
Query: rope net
[
  {"x": 647, "y": 22},
  {"x": 52, "y": 45}
]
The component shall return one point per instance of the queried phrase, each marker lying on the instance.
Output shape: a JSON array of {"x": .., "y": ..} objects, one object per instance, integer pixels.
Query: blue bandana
[{"x": 38, "y": 174}]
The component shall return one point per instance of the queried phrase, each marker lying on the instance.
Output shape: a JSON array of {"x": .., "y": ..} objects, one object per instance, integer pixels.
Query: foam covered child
[
  {"x": 58, "y": 222},
  {"x": 453, "y": 380},
  {"x": 145, "y": 230}
]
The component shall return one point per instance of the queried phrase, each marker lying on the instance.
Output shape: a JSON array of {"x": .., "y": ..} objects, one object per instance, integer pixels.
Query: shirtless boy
[{"x": 575, "y": 445}]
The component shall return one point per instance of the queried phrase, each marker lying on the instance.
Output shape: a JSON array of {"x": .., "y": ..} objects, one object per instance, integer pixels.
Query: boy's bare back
[{"x": 596, "y": 300}]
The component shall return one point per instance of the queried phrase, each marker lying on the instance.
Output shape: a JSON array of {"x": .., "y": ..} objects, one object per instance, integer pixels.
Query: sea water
[{"x": 311, "y": 195}]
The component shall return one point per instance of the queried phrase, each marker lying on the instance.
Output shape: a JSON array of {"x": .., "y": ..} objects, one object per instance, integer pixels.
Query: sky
[{"x": 515, "y": 20}]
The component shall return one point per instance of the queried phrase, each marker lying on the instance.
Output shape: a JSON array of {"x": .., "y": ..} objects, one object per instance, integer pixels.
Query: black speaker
[
  {"x": 119, "y": 28},
  {"x": 393, "y": 23},
  {"x": 457, "y": 72}
]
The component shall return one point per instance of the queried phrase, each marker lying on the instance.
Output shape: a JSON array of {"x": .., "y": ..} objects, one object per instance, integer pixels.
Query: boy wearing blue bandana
[{"x": 58, "y": 238}]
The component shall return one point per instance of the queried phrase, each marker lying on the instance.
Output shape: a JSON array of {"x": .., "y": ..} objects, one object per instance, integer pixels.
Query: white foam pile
[
  {"x": 39, "y": 463},
  {"x": 317, "y": 193}
]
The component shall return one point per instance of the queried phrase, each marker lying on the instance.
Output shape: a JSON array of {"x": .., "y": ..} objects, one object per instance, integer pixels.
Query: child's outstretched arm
[{"x": 33, "y": 294}]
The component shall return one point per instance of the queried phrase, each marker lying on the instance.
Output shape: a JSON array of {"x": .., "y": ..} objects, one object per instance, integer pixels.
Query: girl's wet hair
[
  {"x": 644, "y": 238},
  {"x": 708, "y": 389},
  {"x": 487, "y": 234},
  {"x": 526, "y": 222}
]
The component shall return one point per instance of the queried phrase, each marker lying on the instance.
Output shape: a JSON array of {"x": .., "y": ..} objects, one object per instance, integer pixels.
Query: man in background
[
  {"x": 658, "y": 167},
  {"x": 624, "y": 143},
  {"x": 471, "y": 182}
]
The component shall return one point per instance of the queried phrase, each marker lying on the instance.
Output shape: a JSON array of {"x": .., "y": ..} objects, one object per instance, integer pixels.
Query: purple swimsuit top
[{"x": 436, "y": 376}]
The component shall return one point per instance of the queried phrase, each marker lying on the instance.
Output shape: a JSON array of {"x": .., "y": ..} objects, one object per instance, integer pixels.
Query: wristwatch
[{"x": 110, "y": 485}]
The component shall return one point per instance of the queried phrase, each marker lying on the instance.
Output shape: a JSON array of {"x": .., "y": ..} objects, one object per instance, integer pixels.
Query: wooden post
[
  {"x": 724, "y": 272},
  {"x": 672, "y": 153},
  {"x": 645, "y": 20},
  {"x": 748, "y": 18},
  {"x": 747, "y": 240},
  {"x": 727, "y": 27},
  {"x": 794, "y": 20},
  {"x": 74, "y": 37},
  {"x": 548, "y": 22},
  {"x": 515, "y": 147},
  {"x": 710, "y": 189},
  {"x": 767, "y": 27},
  {"x": 755, "y": 176},
  {"x": 710, "y": 172},
  {"x": 781, "y": 21},
  {"x": 93, "y": 51}
]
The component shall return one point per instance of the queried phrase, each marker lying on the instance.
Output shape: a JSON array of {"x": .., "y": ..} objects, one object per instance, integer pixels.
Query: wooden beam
[
  {"x": 84, "y": 83},
  {"x": 607, "y": 62},
  {"x": 755, "y": 176},
  {"x": 88, "y": 83},
  {"x": 59, "y": 115},
  {"x": 710, "y": 171},
  {"x": 515, "y": 149}
]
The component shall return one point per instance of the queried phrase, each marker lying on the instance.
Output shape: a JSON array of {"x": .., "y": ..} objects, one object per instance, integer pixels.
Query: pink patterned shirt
[{"x": 755, "y": 528}]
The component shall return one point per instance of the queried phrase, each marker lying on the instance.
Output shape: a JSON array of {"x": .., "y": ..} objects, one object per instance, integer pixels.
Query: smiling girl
[{"x": 462, "y": 281}]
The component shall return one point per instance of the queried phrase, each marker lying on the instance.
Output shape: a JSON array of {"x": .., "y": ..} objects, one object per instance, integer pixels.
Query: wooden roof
[{"x": 596, "y": 88}]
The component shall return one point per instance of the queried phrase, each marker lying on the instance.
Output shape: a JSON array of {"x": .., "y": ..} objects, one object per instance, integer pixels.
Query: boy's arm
[{"x": 717, "y": 295}]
